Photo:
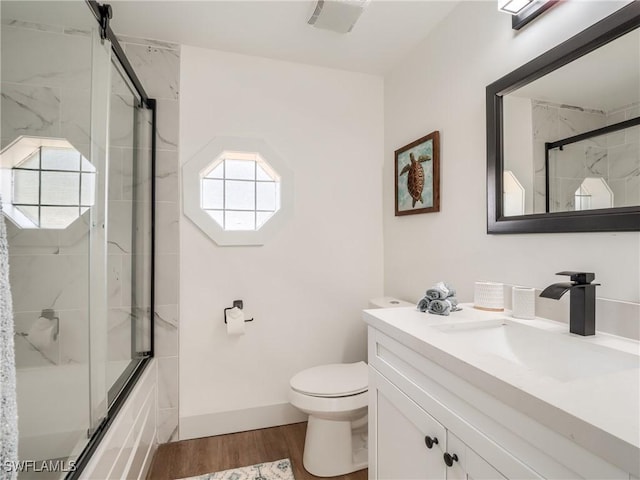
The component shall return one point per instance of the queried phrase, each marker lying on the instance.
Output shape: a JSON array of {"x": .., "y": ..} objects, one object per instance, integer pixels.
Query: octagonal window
[
  {"x": 46, "y": 183},
  {"x": 240, "y": 191}
]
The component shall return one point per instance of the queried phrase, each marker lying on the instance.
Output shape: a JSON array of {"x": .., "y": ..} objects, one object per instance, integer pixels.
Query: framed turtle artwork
[{"x": 417, "y": 171}]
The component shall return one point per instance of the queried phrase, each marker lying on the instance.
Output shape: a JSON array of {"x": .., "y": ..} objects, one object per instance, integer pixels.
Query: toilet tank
[{"x": 388, "y": 302}]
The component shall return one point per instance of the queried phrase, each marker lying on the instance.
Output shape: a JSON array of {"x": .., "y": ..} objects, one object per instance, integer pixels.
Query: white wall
[
  {"x": 307, "y": 285},
  {"x": 441, "y": 86}
]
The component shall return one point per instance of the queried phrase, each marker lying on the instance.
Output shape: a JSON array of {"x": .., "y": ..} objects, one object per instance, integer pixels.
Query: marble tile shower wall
[
  {"x": 157, "y": 64},
  {"x": 46, "y": 81},
  {"x": 614, "y": 157}
]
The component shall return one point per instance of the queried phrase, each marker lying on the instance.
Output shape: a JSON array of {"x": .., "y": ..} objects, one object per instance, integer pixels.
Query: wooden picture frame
[{"x": 417, "y": 176}]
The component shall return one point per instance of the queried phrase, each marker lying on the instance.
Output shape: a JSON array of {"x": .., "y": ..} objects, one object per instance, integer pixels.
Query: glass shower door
[
  {"x": 99, "y": 230},
  {"x": 130, "y": 231},
  {"x": 53, "y": 174},
  {"x": 76, "y": 170}
]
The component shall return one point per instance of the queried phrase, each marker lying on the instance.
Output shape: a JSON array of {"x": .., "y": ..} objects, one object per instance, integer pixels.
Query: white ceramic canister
[
  {"x": 523, "y": 302},
  {"x": 489, "y": 296}
]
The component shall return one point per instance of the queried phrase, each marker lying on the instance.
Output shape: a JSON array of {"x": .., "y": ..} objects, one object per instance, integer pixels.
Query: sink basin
[{"x": 553, "y": 354}]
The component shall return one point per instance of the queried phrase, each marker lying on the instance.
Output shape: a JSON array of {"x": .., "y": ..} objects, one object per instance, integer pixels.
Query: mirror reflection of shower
[
  {"x": 592, "y": 193},
  {"x": 594, "y": 170},
  {"x": 594, "y": 130}
]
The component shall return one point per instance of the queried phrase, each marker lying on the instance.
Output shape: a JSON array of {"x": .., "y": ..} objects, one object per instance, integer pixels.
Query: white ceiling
[{"x": 384, "y": 34}]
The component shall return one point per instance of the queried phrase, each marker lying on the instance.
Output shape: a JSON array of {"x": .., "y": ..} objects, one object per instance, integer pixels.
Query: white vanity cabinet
[
  {"x": 411, "y": 444},
  {"x": 412, "y": 397},
  {"x": 401, "y": 428},
  {"x": 469, "y": 465}
]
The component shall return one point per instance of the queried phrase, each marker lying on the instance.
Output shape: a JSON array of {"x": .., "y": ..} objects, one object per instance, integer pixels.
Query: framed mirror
[{"x": 563, "y": 135}]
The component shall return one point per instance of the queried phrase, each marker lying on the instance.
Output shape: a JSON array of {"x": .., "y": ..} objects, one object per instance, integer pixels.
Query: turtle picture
[{"x": 415, "y": 177}]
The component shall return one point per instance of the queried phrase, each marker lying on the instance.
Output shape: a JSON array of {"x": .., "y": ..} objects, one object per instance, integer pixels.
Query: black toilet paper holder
[
  {"x": 50, "y": 315},
  {"x": 239, "y": 304}
]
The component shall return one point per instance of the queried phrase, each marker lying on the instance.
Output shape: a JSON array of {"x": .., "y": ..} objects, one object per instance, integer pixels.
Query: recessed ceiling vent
[{"x": 337, "y": 15}]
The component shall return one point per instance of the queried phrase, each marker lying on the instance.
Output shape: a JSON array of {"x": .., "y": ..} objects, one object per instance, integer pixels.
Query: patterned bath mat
[{"x": 278, "y": 470}]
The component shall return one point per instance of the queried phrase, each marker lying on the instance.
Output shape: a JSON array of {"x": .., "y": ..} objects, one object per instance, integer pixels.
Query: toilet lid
[{"x": 335, "y": 380}]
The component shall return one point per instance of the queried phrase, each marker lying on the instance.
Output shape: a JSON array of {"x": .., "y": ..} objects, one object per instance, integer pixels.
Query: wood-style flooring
[{"x": 212, "y": 454}]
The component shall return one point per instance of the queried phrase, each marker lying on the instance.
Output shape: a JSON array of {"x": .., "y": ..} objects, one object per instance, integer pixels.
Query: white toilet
[{"x": 336, "y": 397}]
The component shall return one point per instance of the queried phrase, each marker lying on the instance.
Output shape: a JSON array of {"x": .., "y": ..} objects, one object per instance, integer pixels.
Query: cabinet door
[
  {"x": 401, "y": 428},
  {"x": 468, "y": 465}
]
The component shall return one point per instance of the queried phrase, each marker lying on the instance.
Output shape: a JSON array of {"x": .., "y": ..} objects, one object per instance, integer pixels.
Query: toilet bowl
[{"x": 335, "y": 397}]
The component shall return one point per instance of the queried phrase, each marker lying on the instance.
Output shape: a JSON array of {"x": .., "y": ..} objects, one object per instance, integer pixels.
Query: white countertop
[{"x": 599, "y": 412}]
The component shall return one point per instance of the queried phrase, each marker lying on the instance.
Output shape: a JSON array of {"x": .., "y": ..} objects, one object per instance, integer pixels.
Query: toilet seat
[
  {"x": 336, "y": 398},
  {"x": 332, "y": 381}
]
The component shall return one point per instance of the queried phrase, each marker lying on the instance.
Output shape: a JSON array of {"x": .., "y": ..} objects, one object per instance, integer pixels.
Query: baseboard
[{"x": 220, "y": 423}]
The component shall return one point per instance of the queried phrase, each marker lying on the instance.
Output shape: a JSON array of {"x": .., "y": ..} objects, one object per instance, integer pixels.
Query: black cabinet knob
[
  {"x": 449, "y": 459},
  {"x": 430, "y": 441}
]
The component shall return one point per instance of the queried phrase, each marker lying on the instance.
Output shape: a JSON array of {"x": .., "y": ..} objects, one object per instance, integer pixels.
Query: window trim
[
  {"x": 17, "y": 153},
  {"x": 200, "y": 163}
]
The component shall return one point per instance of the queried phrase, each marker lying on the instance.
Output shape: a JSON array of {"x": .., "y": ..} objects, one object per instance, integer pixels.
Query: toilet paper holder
[
  {"x": 50, "y": 315},
  {"x": 239, "y": 304}
]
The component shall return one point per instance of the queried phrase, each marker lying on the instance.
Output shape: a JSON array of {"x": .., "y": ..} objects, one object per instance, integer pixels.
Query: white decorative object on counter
[
  {"x": 489, "y": 296},
  {"x": 523, "y": 302}
]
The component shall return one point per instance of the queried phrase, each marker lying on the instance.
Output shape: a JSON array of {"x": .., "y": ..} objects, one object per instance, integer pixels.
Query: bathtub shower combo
[{"x": 76, "y": 180}]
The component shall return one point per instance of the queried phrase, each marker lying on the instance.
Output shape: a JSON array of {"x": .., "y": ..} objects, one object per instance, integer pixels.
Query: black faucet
[{"x": 582, "y": 302}]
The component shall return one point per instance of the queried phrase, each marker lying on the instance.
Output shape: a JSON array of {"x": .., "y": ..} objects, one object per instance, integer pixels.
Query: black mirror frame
[{"x": 615, "y": 25}]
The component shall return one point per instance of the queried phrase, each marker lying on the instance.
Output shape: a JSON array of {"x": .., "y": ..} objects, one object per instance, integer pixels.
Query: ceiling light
[
  {"x": 337, "y": 15},
  {"x": 512, "y": 6}
]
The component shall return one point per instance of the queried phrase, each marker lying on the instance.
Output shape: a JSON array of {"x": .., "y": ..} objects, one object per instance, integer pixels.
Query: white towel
[
  {"x": 8, "y": 403},
  {"x": 41, "y": 333},
  {"x": 440, "y": 291}
]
